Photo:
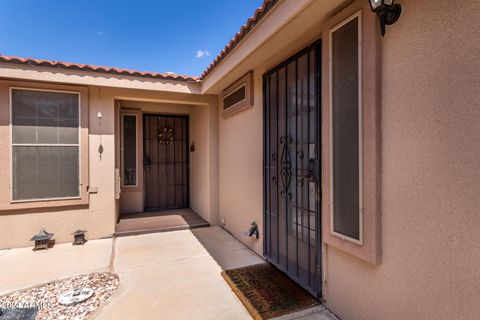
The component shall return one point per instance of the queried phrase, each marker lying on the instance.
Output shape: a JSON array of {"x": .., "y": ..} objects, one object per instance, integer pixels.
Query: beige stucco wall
[
  {"x": 98, "y": 217},
  {"x": 431, "y": 177},
  {"x": 240, "y": 170},
  {"x": 430, "y": 174}
]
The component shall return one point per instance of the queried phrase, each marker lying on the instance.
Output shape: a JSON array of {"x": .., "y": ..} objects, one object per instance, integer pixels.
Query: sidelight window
[
  {"x": 129, "y": 149},
  {"x": 346, "y": 129}
]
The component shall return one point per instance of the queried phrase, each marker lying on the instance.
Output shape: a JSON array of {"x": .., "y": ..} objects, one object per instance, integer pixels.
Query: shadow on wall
[{"x": 66, "y": 209}]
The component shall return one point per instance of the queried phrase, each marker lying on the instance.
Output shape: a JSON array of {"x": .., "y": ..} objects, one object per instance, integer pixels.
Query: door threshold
[
  {"x": 158, "y": 230},
  {"x": 159, "y": 221}
]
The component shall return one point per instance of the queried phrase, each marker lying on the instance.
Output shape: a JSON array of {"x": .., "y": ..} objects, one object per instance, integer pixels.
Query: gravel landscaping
[{"x": 45, "y": 297}]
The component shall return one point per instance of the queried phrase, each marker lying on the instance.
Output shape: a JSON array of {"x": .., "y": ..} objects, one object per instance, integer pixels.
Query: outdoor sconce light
[
  {"x": 79, "y": 237},
  {"x": 43, "y": 240},
  {"x": 387, "y": 11}
]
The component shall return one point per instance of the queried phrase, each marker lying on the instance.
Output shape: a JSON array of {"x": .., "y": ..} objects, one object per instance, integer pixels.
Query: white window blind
[{"x": 45, "y": 145}]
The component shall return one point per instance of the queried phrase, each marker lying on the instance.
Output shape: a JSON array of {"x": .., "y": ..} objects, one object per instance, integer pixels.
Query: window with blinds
[{"x": 45, "y": 145}]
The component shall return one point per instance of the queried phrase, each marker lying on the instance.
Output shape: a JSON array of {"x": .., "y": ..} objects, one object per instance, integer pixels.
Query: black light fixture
[
  {"x": 387, "y": 10},
  {"x": 79, "y": 237}
]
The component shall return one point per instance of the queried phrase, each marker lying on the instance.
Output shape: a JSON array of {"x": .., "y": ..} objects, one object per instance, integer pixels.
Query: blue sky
[{"x": 181, "y": 36}]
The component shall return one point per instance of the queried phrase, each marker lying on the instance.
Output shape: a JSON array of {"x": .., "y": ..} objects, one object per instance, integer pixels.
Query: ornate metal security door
[
  {"x": 165, "y": 161},
  {"x": 292, "y": 168}
]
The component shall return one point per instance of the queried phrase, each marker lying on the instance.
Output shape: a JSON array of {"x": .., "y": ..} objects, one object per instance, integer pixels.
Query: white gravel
[{"x": 44, "y": 297}]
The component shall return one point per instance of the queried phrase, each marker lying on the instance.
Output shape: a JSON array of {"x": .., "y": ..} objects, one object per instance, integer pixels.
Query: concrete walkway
[
  {"x": 174, "y": 276},
  {"x": 22, "y": 268},
  {"x": 171, "y": 275}
]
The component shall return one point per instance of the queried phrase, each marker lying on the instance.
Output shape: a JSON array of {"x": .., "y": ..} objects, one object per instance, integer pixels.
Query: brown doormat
[{"x": 266, "y": 292}]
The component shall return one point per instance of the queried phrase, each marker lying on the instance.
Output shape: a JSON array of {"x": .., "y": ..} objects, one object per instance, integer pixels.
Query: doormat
[{"x": 266, "y": 292}]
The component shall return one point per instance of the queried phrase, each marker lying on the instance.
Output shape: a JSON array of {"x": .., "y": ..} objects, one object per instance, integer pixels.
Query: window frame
[
  {"x": 122, "y": 147},
  {"x": 79, "y": 145},
  {"x": 356, "y": 15},
  {"x": 370, "y": 251}
]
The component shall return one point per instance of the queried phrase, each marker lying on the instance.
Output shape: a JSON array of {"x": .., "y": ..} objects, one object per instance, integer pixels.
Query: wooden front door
[
  {"x": 292, "y": 168},
  {"x": 165, "y": 161}
]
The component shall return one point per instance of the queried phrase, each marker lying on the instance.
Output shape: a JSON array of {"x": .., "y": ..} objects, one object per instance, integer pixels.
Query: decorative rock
[
  {"x": 75, "y": 296},
  {"x": 45, "y": 298}
]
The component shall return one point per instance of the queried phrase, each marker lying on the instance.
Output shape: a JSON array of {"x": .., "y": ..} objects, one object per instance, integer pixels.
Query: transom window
[{"x": 45, "y": 145}]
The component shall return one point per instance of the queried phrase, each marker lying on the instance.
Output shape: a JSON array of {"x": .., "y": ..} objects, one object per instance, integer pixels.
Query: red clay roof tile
[
  {"x": 87, "y": 67},
  {"x": 239, "y": 36}
]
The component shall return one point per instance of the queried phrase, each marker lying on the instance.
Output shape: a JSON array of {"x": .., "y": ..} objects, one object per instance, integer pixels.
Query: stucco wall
[
  {"x": 430, "y": 172},
  {"x": 431, "y": 176},
  {"x": 240, "y": 169},
  {"x": 99, "y": 216},
  {"x": 430, "y": 119}
]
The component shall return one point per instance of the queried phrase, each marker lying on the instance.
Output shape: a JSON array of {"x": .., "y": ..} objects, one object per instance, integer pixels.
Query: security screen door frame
[
  {"x": 292, "y": 162},
  {"x": 165, "y": 161}
]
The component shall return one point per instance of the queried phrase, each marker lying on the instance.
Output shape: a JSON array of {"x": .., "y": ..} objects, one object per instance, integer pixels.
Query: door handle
[
  {"x": 312, "y": 172},
  {"x": 146, "y": 162}
]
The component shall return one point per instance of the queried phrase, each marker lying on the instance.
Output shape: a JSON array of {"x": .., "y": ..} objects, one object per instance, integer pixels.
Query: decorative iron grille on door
[
  {"x": 292, "y": 168},
  {"x": 165, "y": 161}
]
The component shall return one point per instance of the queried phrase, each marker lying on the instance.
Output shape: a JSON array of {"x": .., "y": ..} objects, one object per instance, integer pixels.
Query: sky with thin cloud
[
  {"x": 202, "y": 54},
  {"x": 150, "y": 35}
]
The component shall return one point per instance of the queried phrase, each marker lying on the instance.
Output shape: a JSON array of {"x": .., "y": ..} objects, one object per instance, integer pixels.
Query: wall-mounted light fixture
[{"x": 387, "y": 11}]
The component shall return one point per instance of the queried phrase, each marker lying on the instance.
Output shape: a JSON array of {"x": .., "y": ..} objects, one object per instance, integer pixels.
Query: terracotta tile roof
[
  {"x": 240, "y": 35},
  {"x": 87, "y": 67}
]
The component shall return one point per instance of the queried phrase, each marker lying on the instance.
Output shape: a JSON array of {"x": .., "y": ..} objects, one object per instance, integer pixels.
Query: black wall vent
[{"x": 235, "y": 97}]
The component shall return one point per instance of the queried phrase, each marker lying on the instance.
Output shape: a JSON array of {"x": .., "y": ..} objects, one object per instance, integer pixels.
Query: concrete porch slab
[
  {"x": 170, "y": 275},
  {"x": 158, "y": 221},
  {"x": 176, "y": 275}
]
